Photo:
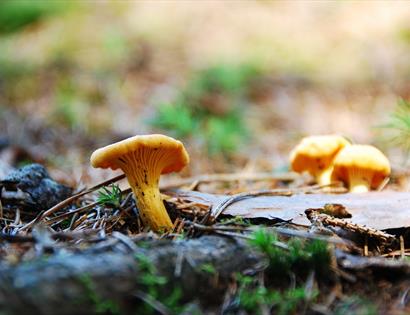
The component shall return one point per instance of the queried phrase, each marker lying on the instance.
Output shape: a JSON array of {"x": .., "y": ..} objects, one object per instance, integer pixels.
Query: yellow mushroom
[
  {"x": 315, "y": 155},
  {"x": 143, "y": 159},
  {"x": 361, "y": 167}
]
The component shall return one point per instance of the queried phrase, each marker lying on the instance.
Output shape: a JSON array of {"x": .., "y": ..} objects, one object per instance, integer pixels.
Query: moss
[
  {"x": 208, "y": 268},
  {"x": 101, "y": 305},
  {"x": 153, "y": 285},
  {"x": 254, "y": 296},
  {"x": 210, "y": 107},
  {"x": 301, "y": 257}
]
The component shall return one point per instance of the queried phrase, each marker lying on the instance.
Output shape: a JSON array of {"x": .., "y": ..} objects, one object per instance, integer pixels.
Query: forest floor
[
  {"x": 248, "y": 236},
  {"x": 91, "y": 251}
]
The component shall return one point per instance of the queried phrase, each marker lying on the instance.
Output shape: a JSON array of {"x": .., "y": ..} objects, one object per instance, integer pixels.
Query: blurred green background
[{"x": 238, "y": 82}]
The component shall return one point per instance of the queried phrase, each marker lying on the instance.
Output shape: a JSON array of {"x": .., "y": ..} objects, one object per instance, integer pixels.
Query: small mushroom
[
  {"x": 315, "y": 155},
  {"x": 143, "y": 159},
  {"x": 361, "y": 167}
]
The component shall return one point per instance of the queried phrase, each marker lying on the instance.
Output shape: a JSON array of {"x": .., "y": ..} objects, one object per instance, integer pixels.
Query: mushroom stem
[
  {"x": 151, "y": 208},
  {"x": 143, "y": 178},
  {"x": 358, "y": 184},
  {"x": 323, "y": 177}
]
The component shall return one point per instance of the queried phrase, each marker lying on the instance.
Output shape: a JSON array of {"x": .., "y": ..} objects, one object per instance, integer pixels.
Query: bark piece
[
  {"x": 32, "y": 188},
  {"x": 57, "y": 284}
]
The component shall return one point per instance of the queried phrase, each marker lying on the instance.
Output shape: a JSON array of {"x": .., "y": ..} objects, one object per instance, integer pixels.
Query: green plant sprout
[
  {"x": 399, "y": 125},
  {"x": 111, "y": 198}
]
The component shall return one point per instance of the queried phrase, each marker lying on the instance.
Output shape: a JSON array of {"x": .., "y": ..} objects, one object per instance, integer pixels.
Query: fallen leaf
[{"x": 378, "y": 210}]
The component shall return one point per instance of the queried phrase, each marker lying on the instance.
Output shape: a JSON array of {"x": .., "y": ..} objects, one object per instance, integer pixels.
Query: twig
[
  {"x": 125, "y": 240},
  {"x": 238, "y": 197},
  {"x": 67, "y": 214},
  {"x": 79, "y": 221},
  {"x": 402, "y": 249},
  {"x": 397, "y": 253},
  {"x": 17, "y": 218},
  {"x": 325, "y": 219}
]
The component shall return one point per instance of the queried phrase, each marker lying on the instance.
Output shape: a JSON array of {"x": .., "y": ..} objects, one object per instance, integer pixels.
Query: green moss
[
  {"x": 225, "y": 134},
  {"x": 253, "y": 297},
  {"x": 237, "y": 220},
  {"x": 102, "y": 305},
  {"x": 178, "y": 118},
  {"x": 211, "y": 107},
  {"x": 153, "y": 284},
  {"x": 233, "y": 80},
  {"x": 208, "y": 268},
  {"x": 301, "y": 258},
  {"x": 270, "y": 288}
]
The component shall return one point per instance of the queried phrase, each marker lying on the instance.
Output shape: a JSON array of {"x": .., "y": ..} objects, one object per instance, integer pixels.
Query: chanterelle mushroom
[
  {"x": 143, "y": 159},
  {"x": 315, "y": 155},
  {"x": 361, "y": 167}
]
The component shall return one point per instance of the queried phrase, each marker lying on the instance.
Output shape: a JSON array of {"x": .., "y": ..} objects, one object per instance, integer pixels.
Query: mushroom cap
[
  {"x": 315, "y": 150},
  {"x": 107, "y": 156},
  {"x": 364, "y": 160}
]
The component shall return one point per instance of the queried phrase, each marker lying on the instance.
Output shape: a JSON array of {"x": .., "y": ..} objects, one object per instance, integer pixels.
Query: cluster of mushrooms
[
  {"x": 331, "y": 158},
  {"x": 144, "y": 158}
]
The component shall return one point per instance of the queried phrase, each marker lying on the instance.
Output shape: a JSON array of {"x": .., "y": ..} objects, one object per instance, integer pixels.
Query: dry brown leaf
[{"x": 378, "y": 210}]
